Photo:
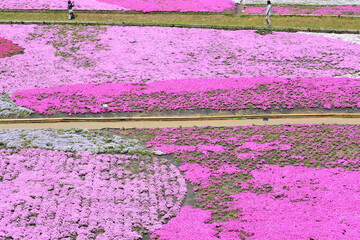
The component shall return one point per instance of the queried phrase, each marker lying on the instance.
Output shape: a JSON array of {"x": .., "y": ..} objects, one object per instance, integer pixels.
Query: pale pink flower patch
[{"x": 53, "y": 194}]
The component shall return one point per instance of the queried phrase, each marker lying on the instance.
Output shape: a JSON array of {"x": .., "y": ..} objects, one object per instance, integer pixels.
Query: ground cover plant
[
  {"x": 257, "y": 182},
  {"x": 58, "y": 195},
  {"x": 192, "y": 94},
  {"x": 8, "y": 109},
  {"x": 58, "y": 5},
  {"x": 134, "y": 5},
  {"x": 76, "y": 184},
  {"x": 305, "y": 9},
  {"x": 73, "y": 140},
  {"x": 66, "y": 55},
  {"x": 8, "y": 48}
]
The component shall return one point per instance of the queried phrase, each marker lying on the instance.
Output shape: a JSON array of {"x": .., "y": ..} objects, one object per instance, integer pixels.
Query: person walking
[
  {"x": 71, "y": 10},
  {"x": 268, "y": 13},
  {"x": 239, "y": 7}
]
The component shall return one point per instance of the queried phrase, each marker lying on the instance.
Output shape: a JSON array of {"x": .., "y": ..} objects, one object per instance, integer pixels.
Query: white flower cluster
[
  {"x": 306, "y": 2},
  {"x": 71, "y": 140},
  {"x": 8, "y": 109},
  {"x": 351, "y": 38}
]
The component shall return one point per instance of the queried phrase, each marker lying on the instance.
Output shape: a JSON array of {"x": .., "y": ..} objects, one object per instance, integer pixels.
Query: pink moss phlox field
[
  {"x": 148, "y": 54},
  {"x": 304, "y": 203},
  {"x": 134, "y": 5},
  {"x": 190, "y": 222},
  {"x": 302, "y": 10},
  {"x": 173, "y": 5},
  {"x": 297, "y": 178},
  {"x": 7, "y": 48},
  {"x": 55, "y": 195},
  {"x": 58, "y": 5},
  {"x": 215, "y": 94}
]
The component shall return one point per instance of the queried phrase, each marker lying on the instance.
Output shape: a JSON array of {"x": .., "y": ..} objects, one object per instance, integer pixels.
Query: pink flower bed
[
  {"x": 173, "y": 5},
  {"x": 216, "y": 94},
  {"x": 7, "y": 48},
  {"x": 304, "y": 203},
  {"x": 58, "y": 5},
  {"x": 180, "y": 6},
  {"x": 314, "y": 10},
  {"x": 134, "y": 5},
  {"x": 256, "y": 182},
  {"x": 60, "y": 195},
  {"x": 148, "y": 54}
]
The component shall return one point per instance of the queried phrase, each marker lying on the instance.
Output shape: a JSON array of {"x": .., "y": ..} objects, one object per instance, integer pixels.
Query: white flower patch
[
  {"x": 351, "y": 38},
  {"x": 306, "y": 2},
  {"x": 8, "y": 109}
]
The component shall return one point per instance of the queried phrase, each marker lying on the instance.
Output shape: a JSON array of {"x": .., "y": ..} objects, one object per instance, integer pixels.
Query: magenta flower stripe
[
  {"x": 148, "y": 54},
  {"x": 215, "y": 94},
  {"x": 7, "y": 48}
]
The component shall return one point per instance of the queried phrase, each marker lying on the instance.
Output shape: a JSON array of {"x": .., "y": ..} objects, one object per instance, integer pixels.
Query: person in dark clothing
[{"x": 71, "y": 10}]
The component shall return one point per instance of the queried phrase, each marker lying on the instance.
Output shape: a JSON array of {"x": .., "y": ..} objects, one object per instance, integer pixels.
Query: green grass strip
[{"x": 216, "y": 20}]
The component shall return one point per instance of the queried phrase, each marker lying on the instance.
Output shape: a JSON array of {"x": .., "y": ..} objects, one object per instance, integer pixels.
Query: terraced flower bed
[
  {"x": 134, "y": 5},
  {"x": 81, "y": 192},
  {"x": 68, "y": 55},
  {"x": 193, "y": 94},
  {"x": 214, "y": 6},
  {"x": 149, "y": 63},
  {"x": 257, "y": 182}
]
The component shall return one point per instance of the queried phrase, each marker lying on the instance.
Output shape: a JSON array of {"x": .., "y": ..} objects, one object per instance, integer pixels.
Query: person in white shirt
[{"x": 268, "y": 13}]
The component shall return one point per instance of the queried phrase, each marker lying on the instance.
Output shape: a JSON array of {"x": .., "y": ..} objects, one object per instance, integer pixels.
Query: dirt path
[{"x": 160, "y": 124}]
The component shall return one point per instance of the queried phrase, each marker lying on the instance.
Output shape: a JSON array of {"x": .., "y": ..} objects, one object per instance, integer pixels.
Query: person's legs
[
  {"x": 71, "y": 14},
  {"x": 268, "y": 21}
]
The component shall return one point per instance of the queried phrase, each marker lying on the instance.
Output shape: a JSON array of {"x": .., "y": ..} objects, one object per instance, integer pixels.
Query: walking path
[
  {"x": 345, "y": 24},
  {"x": 171, "y": 124}
]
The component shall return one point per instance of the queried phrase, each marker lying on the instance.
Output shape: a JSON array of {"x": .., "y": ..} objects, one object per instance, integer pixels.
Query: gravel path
[{"x": 170, "y": 124}]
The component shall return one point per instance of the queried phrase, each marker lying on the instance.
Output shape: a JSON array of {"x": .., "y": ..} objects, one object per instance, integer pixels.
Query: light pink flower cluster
[
  {"x": 58, "y": 5},
  {"x": 147, "y": 54},
  {"x": 303, "y": 9},
  {"x": 54, "y": 195},
  {"x": 174, "y": 5},
  {"x": 216, "y": 94},
  {"x": 7, "y": 48}
]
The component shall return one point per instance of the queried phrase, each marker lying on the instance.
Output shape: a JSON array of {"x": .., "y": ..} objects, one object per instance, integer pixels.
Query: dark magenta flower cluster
[
  {"x": 215, "y": 94},
  {"x": 8, "y": 48}
]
